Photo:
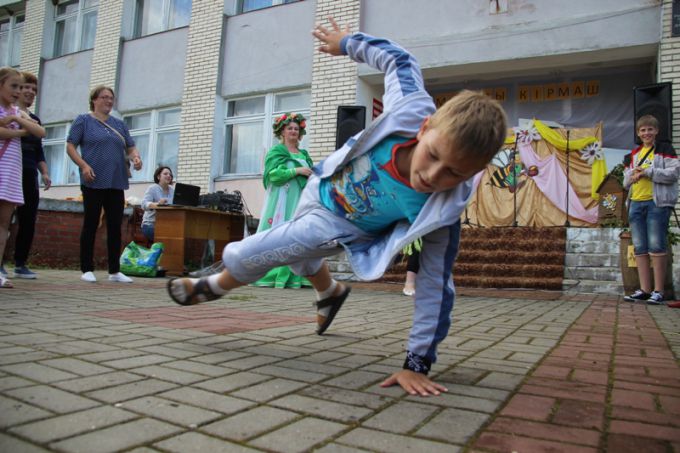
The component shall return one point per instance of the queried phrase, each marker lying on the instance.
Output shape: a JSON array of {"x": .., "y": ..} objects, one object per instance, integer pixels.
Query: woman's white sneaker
[
  {"x": 88, "y": 277},
  {"x": 120, "y": 277}
]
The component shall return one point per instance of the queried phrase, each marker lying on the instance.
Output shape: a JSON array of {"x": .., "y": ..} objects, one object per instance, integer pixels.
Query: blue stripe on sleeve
[
  {"x": 403, "y": 60},
  {"x": 447, "y": 293}
]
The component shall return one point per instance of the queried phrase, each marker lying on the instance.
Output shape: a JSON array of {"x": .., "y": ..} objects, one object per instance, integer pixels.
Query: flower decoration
[
  {"x": 281, "y": 122},
  {"x": 526, "y": 136},
  {"x": 592, "y": 152},
  {"x": 609, "y": 201}
]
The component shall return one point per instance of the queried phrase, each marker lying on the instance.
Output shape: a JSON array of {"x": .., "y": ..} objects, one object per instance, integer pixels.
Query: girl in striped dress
[{"x": 14, "y": 124}]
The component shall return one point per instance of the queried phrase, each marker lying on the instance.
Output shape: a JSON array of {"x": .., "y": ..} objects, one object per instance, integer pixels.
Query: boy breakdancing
[{"x": 408, "y": 175}]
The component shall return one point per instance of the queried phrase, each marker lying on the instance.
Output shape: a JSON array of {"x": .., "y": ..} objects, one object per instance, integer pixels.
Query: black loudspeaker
[
  {"x": 351, "y": 119},
  {"x": 655, "y": 100}
]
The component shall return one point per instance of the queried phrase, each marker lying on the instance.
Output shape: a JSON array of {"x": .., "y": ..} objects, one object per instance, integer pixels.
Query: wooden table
[{"x": 176, "y": 224}]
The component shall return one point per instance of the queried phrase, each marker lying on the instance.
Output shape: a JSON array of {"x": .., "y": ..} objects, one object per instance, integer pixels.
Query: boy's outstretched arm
[
  {"x": 414, "y": 383},
  {"x": 330, "y": 38}
]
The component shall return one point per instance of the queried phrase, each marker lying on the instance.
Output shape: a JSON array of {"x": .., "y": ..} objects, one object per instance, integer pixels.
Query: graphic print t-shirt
[{"x": 369, "y": 192}]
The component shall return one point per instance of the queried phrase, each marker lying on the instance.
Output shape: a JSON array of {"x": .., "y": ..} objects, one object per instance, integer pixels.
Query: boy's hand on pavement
[
  {"x": 414, "y": 383},
  {"x": 330, "y": 38}
]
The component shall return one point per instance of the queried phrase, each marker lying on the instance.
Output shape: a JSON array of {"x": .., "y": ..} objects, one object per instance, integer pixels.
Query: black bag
[{"x": 223, "y": 201}]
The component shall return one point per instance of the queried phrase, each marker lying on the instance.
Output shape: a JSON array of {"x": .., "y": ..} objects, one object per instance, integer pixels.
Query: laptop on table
[{"x": 185, "y": 195}]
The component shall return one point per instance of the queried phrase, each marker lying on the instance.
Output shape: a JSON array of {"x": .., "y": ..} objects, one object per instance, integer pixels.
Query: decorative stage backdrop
[{"x": 537, "y": 174}]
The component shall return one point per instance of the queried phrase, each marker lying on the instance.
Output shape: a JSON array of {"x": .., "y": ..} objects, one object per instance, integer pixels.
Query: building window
[
  {"x": 156, "y": 134},
  {"x": 153, "y": 16},
  {"x": 75, "y": 25},
  {"x": 62, "y": 169},
  {"x": 248, "y": 133},
  {"x": 252, "y": 5},
  {"x": 11, "y": 32}
]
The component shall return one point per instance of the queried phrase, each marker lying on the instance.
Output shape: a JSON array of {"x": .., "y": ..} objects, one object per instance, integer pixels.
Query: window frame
[
  {"x": 6, "y": 59},
  {"x": 265, "y": 118},
  {"x": 137, "y": 22},
  {"x": 153, "y": 131},
  {"x": 66, "y": 161},
  {"x": 57, "y": 47},
  {"x": 241, "y": 4}
]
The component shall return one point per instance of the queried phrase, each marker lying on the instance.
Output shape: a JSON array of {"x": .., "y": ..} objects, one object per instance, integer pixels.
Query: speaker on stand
[
  {"x": 351, "y": 120},
  {"x": 655, "y": 100}
]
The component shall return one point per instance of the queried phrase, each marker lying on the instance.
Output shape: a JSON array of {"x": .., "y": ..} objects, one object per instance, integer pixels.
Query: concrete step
[
  {"x": 604, "y": 274},
  {"x": 571, "y": 286},
  {"x": 591, "y": 260},
  {"x": 593, "y": 234},
  {"x": 593, "y": 247}
]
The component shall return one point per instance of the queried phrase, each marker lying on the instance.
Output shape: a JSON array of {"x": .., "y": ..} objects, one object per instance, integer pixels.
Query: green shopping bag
[{"x": 141, "y": 261}]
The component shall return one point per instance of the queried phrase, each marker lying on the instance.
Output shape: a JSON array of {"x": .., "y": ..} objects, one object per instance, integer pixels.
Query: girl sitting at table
[{"x": 156, "y": 195}]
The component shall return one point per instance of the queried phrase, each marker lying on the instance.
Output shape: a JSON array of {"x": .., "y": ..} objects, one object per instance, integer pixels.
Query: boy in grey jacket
[
  {"x": 652, "y": 181},
  {"x": 407, "y": 175}
]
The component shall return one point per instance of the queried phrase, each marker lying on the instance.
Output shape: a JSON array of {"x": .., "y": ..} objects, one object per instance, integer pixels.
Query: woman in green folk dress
[{"x": 286, "y": 169}]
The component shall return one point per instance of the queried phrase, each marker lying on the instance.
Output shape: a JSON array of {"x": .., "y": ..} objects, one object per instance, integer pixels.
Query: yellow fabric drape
[
  {"x": 493, "y": 206},
  {"x": 599, "y": 173},
  {"x": 559, "y": 142},
  {"x": 555, "y": 138}
]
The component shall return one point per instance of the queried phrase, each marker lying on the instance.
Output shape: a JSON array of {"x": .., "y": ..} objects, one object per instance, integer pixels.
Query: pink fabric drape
[{"x": 552, "y": 181}]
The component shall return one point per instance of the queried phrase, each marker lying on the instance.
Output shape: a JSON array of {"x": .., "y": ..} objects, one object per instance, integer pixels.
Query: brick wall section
[
  {"x": 198, "y": 98},
  {"x": 32, "y": 41},
  {"x": 334, "y": 79},
  {"x": 57, "y": 241},
  {"x": 669, "y": 71},
  {"x": 107, "y": 44}
]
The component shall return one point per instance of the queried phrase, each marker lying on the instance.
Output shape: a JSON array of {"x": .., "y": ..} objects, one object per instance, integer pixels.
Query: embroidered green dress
[{"x": 284, "y": 188}]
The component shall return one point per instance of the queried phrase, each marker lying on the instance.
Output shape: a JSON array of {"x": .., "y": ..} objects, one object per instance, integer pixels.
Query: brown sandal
[
  {"x": 200, "y": 292},
  {"x": 335, "y": 302}
]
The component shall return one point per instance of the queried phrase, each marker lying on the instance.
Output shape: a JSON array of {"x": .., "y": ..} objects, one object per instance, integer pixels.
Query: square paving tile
[{"x": 204, "y": 318}]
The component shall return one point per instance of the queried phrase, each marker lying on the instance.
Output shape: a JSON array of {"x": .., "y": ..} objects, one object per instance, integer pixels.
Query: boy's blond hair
[
  {"x": 647, "y": 120},
  {"x": 474, "y": 123},
  {"x": 29, "y": 77}
]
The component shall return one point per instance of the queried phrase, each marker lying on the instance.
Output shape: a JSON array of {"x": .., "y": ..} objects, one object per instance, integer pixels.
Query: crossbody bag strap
[
  {"x": 120, "y": 136},
  {"x": 641, "y": 161}
]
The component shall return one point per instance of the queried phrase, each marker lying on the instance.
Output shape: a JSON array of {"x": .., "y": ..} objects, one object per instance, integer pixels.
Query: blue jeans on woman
[
  {"x": 649, "y": 227},
  {"x": 148, "y": 231}
]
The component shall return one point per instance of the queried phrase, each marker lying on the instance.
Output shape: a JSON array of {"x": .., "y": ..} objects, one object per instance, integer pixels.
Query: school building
[{"x": 199, "y": 81}]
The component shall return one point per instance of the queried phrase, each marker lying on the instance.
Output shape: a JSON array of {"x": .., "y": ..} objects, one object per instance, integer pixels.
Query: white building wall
[
  {"x": 669, "y": 71},
  {"x": 107, "y": 44},
  {"x": 152, "y": 71},
  {"x": 199, "y": 94},
  {"x": 32, "y": 40},
  {"x": 268, "y": 50},
  {"x": 334, "y": 79},
  {"x": 462, "y": 39},
  {"x": 272, "y": 50}
]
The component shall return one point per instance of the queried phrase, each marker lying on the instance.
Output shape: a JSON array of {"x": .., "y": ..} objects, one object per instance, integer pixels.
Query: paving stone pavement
[{"x": 110, "y": 367}]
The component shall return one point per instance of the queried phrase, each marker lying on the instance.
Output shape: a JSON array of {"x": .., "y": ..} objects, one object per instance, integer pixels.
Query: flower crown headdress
[{"x": 281, "y": 122}]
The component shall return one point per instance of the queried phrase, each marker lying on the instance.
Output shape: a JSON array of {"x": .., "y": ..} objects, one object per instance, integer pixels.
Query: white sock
[
  {"x": 328, "y": 292},
  {"x": 213, "y": 283}
]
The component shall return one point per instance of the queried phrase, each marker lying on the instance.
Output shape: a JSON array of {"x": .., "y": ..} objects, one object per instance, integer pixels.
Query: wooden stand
[{"x": 176, "y": 224}]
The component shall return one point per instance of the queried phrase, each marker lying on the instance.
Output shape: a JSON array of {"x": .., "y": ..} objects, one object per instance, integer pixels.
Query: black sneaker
[
  {"x": 656, "y": 298},
  {"x": 638, "y": 295}
]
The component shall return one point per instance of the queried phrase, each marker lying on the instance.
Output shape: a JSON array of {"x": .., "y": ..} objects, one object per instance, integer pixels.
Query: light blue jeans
[
  {"x": 649, "y": 227},
  {"x": 148, "y": 231},
  {"x": 301, "y": 243}
]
